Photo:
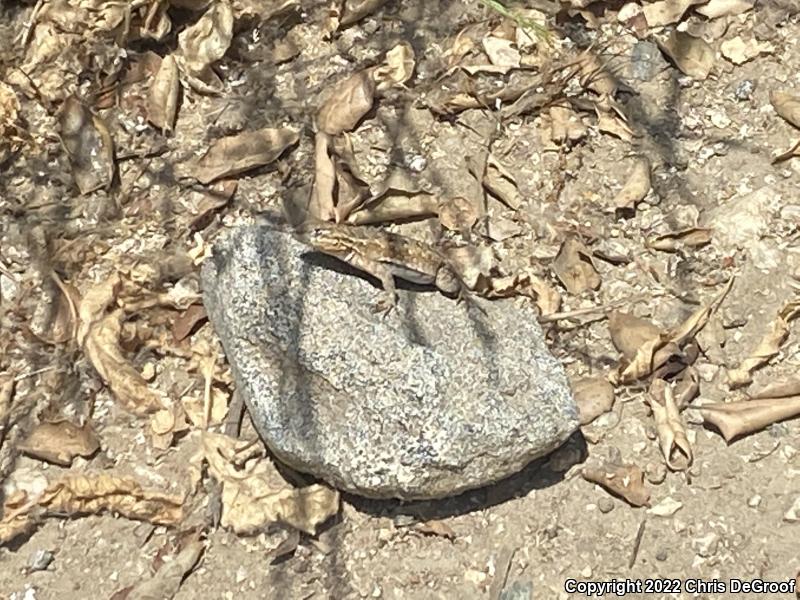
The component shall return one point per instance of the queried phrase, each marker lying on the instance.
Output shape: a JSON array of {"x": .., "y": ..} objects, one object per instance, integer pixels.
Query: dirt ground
[{"x": 710, "y": 144}]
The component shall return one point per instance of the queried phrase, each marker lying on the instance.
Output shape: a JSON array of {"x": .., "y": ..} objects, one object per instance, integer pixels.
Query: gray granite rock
[{"x": 432, "y": 400}]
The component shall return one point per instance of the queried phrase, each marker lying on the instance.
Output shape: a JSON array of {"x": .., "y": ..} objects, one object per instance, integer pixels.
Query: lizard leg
[{"x": 384, "y": 275}]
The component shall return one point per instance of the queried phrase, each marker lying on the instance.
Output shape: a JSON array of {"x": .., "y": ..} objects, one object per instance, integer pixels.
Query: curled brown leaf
[
  {"x": 637, "y": 186},
  {"x": 397, "y": 67},
  {"x": 624, "y": 481},
  {"x": 347, "y": 104},
  {"x": 207, "y": 41},
  {"x": 89, "y": 146},
  {"x": 101, "y": 346},
  {"x": 655, "y": 352},
  {"x": 236, "y": 154},
  {"x": 162, "y": 100},
  {"x": 574, "y": 267},
  {"x": 787, "y": 105},
  {"x": 693, "y": 237},
  {"x": 60, "y": 442},
  {"x": 165, "y": 583},
  {"x": 629, "y": 332},
  {"x": 672, "y": 439},
  {"x": 252, "y": 496},
  {"x": 89, "y": 494},
  {"x": 692, "y": 55},
  {"x": 734, "y": 419},
  {"x": 767, "y": 348}
]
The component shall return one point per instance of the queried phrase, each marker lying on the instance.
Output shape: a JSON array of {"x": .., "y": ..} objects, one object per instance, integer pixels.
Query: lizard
[{"x": 383, "y": 255}]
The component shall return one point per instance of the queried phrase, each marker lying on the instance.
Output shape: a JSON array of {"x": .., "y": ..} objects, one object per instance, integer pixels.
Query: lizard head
[{"x": 312, "y": 231}]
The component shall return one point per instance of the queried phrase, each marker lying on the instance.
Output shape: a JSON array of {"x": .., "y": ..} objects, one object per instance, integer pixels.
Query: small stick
[
  {"x": 580, "y": 312},
  {"x": 636, "y": 544}
]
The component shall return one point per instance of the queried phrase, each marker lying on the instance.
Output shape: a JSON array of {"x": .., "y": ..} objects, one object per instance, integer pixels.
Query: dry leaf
[
  {"x": 787, "y": 106},
  {"x": 685, "y": 388},
  {"x": 722, "y": 8},
  {"x": 60, "y": 442},
  {"x": 59, "y": 322},
  {"x": 352, "y": 190},
  {"x": 398, "y": 196},
  {"x": 499, "y": 229},
  {"x": 347, "y": 104},
  {"x": 611, "y": 123},
  {"x": 767, "y": 348},
  {"x": 166, "y": 582},
  {"x": 594, "y": 396},
  {"x": 625, "y": 481},
  {"x": 209, "y": 410},
  {"x": 748, "y": 416},
  {"x": 693, "y": 237},
  {"x": 207, "y": 41},
  {"x": 437, "y": 528},
  {"x": 692, "y": 55},
  {"x": 790, "y": 153},
  {"x": 739, "y": 52},
  {"x": 203, "y": 204},
  {"x": 94, "y": 303},
  {"x": 636, "y": 188},
  {"x": 236, "y": 154},
  {"x": 99, "y": 335},
  {"x": 548, "y": 299},
  {"x": 10, "y": 125},
  {"x": 574, "y": 267},
  {"x": 396, "y": 208},
  {"x": 667, "y": 12},
  {"x": 89, "y": 146},
  {"x": 162, "y": 101},
  {"x": 183, "y": 326},
  {"x": 101, "y": 346},
  {"x": 251, "y": 498},
  {"x": 595, "y": 74},
  {"x": 397, "y": 67},
  {"x": 88, "y": 494},
  {"x": 6, "y": 395},
  {"x": 458, "y": 214},
  {"x": 501, "y": 183},
  {"x": 629, "y": 332},
  {"x": 501, "y": 53},
  {"x": 165, "y": 424},
  {"x": 526, "y": 283},
  {"x": 355, "y": 10},
  {"x": 671, "y": 431},
  {"x": 474, "y": 264},
  {"x": 778, "y": 389},
  {"x": 321, "y": 206},
  {"x": 565, "y": 125},
  {"x": 655, "y": 352}
]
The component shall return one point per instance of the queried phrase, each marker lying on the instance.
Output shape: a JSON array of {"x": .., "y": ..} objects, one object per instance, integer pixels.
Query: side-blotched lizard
[{"x": 383, "y": 255}]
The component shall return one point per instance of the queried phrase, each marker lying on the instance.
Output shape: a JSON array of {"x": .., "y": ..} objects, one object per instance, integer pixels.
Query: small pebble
[
  {"x": 666, "y": 508},
  {"x": 655, "y": 472},
  {"x": 706, "y": 546},
  {"x": 605, "y": 505},
  {"x": 40, "y": 560},
  {"x": 662, "y": 555},
  {"x": 754, "y": 501},
  {"x": 744, "y": 90},
  {"x": 518, "y": 590},
  {"x": 793, "y": 514}
]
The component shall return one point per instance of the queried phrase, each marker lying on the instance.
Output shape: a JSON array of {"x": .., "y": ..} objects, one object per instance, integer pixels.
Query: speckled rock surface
[{"x": 434, "y": 399}]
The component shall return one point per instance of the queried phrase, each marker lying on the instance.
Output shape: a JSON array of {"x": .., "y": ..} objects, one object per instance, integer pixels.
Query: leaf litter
[{"x": 105, "y": 321}]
